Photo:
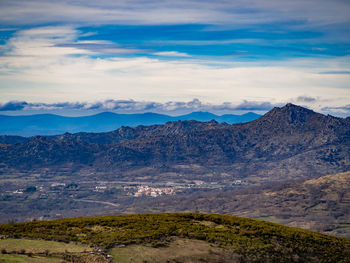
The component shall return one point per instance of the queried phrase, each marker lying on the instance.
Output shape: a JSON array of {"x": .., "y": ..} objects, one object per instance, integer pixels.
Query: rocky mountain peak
[{"x": 290, "y": 114}]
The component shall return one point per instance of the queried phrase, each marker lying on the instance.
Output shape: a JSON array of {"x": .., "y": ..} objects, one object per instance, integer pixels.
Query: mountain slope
[{"x": 288, "y": 142}]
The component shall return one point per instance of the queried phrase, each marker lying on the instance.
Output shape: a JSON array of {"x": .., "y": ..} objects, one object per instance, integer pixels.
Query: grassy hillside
[
  {"x": 178, "y": 250},
  {"x": 240, "y": 239},
  {"x": 40, "y": 246},
  {"x": 26, "y": 259},
  {"x": 37, "y": 251}
]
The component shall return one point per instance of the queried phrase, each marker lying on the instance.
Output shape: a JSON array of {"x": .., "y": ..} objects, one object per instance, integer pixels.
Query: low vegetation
[
  {"x": 178, "y": 250},
  {"x": 13, "y": 258},
  {"x": 247, "y": 240},
  {"x": 40, "y": 246},
  {"x": 41, "y": 251}
]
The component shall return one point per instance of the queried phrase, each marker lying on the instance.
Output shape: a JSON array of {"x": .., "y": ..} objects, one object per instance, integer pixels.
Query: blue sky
[{"x": 70, "y": 56}]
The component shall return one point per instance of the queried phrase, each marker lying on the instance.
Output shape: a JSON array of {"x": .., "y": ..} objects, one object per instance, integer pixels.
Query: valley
[
  {"x": 320, "y": 204},
  {"x": 32, "y": 196}
]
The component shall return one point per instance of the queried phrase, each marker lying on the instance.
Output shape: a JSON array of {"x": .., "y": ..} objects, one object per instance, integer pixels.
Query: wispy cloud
[
  {"x": 132, "y": 106},
  {"x": 169, "y": 107},
  {"x": 342, "y": 111},
  {"x": 100, "y": 47},
  {"x": 13, "y": 106},
  {"x": 335, "y": 72},
  {"x": 320, "y": 12},
  {"x": 210, "y": 42},
  {"x": 307, "y": 99},
  {"x": 43, "y": 42},
  {"x": 40, "y": 64},
  {"x": 171, "y": 54},
  {"x": 253, "y": 105},
  {"x": 261, "y": 51}
]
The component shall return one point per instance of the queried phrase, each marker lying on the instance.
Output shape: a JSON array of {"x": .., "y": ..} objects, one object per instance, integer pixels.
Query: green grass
[
  {"x": 253, "y": 240},
  {"x": 179, "y": 250},
  {"x": 26, "y": 259},
  {"x": 39, "y": 246}
]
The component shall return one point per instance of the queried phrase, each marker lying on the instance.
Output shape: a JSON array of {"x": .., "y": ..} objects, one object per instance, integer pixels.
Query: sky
[{"x": 80, "y": 57}]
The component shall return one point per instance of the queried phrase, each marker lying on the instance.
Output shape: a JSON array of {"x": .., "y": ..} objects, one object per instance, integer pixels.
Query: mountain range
[
  {"x": 50, "y": 124},
  {"x": 290, "y": 142}
]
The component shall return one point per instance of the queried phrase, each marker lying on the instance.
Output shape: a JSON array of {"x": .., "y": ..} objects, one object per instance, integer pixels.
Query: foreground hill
[
  {"x": 50, "y": 124},
  {"x": 286, "y": 143},
  {"x": 231, "y": 239}
]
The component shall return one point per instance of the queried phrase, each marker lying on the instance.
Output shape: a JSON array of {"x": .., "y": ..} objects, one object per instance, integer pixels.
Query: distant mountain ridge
[
  {"x": 50, "y": 124},
  {"x": 286, "y": 143}
]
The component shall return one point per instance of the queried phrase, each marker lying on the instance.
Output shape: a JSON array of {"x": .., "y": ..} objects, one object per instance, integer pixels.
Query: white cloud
[
  {"x": 239, "y": 12},
  {"x": 132, "y": 106},
  {"x": 36, "y": 68},
  {"x": 210, "y": 42},
  {"x": 171, "y": 54},
  {"x": 41, "y": 42}
]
